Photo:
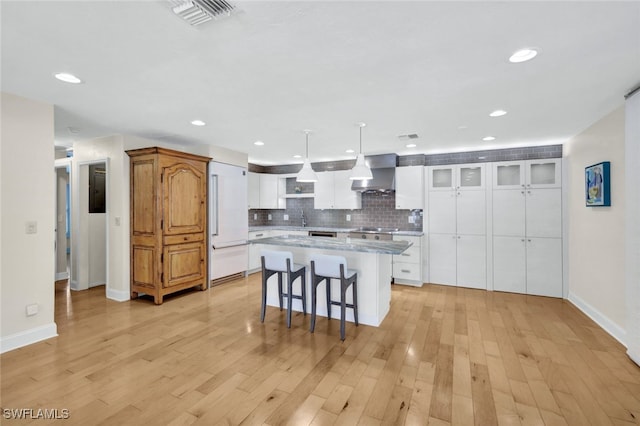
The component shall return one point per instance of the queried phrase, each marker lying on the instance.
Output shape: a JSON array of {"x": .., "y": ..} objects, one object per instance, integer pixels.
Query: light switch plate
[
  {"x": 32, "y": 309},
  {"x": 348, "y": 218},
  {"x": 269, "y": 216},
  {"x": 31, "y": 227},
  {"x": 286, "y": 217}
]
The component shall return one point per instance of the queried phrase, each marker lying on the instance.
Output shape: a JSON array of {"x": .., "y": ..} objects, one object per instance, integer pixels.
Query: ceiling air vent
[
  {"x": 197, "y": 12},
  {"x": 410, "y": 136}
]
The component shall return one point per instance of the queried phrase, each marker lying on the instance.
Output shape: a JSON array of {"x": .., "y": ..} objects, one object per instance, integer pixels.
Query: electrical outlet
[
  {"x": 32, "y": 309},
  {"x": 255, "y": 216},
  {"x": 269, "y": 216},
  {"x": 286, "y": 217},
  {"x": 348, "y": 218},
  {"x": 31, "y": 227},
  {"x": 412, "y": 219},
  {"x": 117, "y": 220}
]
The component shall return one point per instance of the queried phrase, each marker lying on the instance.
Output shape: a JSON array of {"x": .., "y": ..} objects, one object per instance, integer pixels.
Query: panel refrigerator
[{"x": 229, "y": 219}]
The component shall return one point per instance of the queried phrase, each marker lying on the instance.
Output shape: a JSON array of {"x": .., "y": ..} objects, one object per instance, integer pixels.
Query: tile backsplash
[{"x": 377, "y": 210}]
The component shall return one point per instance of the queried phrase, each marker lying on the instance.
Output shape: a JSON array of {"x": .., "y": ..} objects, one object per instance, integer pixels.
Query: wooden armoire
[{"x": 168, "y": 221}]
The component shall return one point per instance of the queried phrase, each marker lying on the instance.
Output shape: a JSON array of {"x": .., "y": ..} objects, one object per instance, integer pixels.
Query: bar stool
[
  {"x": 281, "y": 262},
  {"x": 324, "y": 268}
]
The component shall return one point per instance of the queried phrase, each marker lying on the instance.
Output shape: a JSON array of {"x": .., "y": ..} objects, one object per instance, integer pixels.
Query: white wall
[
  {"x": 27, "y": 193},
  {"x": 596, "y": 234}
]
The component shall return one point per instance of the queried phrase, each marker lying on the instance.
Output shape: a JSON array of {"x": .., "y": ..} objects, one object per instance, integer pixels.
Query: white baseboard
[
  {"x": 609, "y": 326},
  {"x": 409, "y": 283},
  {"x": 635, "y": 356},
  {"x": 74, "y": 285},
  {"x": 118, "y": 295},
  {"x": 62, "y": 275},
  {"x": 27, "y": 337}
]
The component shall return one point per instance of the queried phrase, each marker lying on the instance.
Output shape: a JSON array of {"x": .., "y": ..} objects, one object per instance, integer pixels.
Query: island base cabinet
[{"x": 528, "y": 265}]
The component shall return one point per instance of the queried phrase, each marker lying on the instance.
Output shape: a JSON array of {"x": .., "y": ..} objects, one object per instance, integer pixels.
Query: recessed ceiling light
[
  {"x": 297, "y": 156},
  {"x": 488, "y": 138},
  {"x": 198, "y": 123},
  {"x": 67, "y": 78},
  {"x": 410, "y": 145},
  {"x": 523, "y": 55},
  {"x": 498, "y": 113},
  {"x": 258, "y": 143},
  {"x": 349, "y": 151},
  {"x": 462, "y": 127}
]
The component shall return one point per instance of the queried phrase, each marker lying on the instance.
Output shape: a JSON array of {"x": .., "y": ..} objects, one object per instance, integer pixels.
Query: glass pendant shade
[
  {"x": 360, "y": 171},
  {"x": 306, "y": 173}
]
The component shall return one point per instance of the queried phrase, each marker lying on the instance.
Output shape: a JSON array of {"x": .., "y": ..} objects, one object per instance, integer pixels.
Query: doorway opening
[{"x": 63, "y": 220}]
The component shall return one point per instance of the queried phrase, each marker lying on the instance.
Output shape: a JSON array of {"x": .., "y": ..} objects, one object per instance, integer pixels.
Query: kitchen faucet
[{"x": 304, "y": 221}]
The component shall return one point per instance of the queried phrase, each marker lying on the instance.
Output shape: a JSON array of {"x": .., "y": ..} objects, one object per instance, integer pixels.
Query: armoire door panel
[
  {"x": 183, "y": 263},
  {"x": 184, "y": 189}
]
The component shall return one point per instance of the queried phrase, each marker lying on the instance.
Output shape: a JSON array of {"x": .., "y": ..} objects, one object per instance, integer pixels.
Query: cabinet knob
[
  {"x": 458, "y": 236},
  {"x": 529, "y": 239},
  {"x": 522, "y": 192}
]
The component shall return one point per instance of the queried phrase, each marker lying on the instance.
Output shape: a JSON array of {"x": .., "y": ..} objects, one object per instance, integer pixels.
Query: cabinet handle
[
  {"x": 404, "y": 254},
  {"x": 259, "y": 235},
  {"x": 406, "y": 271}
]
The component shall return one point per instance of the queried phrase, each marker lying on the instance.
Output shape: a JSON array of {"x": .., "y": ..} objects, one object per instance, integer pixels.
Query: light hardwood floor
[{"x": 443, "y": 356}]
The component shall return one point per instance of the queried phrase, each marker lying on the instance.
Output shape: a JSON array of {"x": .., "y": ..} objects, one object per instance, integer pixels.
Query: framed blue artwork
[{"x": 597, "y": 184}]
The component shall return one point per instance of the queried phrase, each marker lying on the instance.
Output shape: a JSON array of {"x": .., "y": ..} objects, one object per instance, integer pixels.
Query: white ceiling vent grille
[{"x": 197, "y": 12}]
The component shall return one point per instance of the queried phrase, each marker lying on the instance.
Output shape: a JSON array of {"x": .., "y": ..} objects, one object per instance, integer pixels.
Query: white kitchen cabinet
[
  {"x": 457, "y": 176},
  {"x": 471, "y": 261},
  {"x": 266, "y": 191},
  {"x": 442, "y": 259},
  {"x": 333, "y": 191},
  {"x": 458, "y": 260},
  {"x": 527, "y": 227},
  {"x": 407, "y": 266},
  {"x": 528, "y": 265},
  {"x": 253, "y": 184},
  {"x": 457, "y": 225},
  {"x": 544, "y": 212},
  {"x": 509, "y": 264},
  {"x": 544, "y": 266},
  {"x": 409, "y": 187},
  {"x": 545, "y": 173}
]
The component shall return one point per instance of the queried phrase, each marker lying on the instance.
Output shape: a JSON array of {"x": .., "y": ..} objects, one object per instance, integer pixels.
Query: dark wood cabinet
[{"x": 168, "y": 221}]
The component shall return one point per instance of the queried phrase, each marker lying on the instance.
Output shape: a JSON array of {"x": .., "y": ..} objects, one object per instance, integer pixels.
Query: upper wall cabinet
[
  {"x": 333, "y": 191},
  {"x": 266, "y": 191},
  {"x": 459, "y": 177},
  {"x": 410, "y": 187},
  {"x": 544, "y": 173}
]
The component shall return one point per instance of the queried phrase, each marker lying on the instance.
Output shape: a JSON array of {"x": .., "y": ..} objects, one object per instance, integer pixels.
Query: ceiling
[{"x": 274, "y": 68}]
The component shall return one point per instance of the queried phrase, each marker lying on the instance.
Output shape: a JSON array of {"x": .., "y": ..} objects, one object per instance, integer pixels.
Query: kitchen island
[{"x": 372, "y": 260}]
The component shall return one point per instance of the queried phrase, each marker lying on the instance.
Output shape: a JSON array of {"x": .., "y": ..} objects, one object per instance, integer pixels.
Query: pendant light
[
  {"x": 360, "y": 171},
  {"x": 306, "y": 174}
]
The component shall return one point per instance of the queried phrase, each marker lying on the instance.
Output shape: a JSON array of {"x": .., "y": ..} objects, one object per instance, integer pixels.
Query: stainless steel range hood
[{"x": 383, "y": 169}]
